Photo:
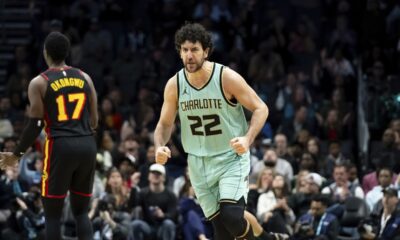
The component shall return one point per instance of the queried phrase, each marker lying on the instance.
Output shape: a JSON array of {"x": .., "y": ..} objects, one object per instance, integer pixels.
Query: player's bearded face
[{"x": 193, "y": 56}]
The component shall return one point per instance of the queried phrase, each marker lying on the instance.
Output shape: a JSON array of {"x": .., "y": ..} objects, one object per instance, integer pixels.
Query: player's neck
[
  {"x": 201, "y": 76},
  {"x": 60, "y": 65}
]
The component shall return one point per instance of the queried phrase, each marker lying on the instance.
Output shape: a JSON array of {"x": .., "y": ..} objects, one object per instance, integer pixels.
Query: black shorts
[{"x": 69, "y": 164}]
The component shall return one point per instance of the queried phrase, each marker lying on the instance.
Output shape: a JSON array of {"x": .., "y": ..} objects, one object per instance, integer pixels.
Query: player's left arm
[
  {"x": 235, "y": 87},
  {"x": 34, "y": 125},
  {"x": 94, "y": 116}
]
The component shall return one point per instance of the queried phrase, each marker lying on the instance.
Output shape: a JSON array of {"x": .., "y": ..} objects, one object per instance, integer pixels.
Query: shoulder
[
  {"x": 172, "y": 82},
  {"x": 38, "y": 82},
  {"x": 171, "y": 88},
  {"x": 84, "y": 75},
  {"x": 229, "y": 75},
  {"x": 38, "y": 85},
  {"x": 232, "y": 82}
]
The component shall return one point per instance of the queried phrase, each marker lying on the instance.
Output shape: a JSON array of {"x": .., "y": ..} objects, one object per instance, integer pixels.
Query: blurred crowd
[{"x": 305, "y": 59}]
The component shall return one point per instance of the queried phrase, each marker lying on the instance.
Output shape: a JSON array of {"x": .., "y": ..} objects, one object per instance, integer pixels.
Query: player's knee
[{"x": 231, "y": 215}]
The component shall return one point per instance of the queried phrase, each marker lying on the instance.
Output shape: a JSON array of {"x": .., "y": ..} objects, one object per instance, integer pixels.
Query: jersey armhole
[{"x": 232, "y": 104}]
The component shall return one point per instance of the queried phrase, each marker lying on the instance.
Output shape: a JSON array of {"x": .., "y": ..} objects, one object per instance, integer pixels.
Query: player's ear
[
  {"x": 180, "y": 53},
  {"x": 206, "y": 51}
]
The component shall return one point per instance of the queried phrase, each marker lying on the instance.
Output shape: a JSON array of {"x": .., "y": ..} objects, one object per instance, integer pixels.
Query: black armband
[{"x": 29, "y": 134}]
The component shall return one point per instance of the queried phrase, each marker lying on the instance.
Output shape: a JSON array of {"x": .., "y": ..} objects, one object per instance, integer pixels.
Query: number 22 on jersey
[{"x": 79, "y": 98}]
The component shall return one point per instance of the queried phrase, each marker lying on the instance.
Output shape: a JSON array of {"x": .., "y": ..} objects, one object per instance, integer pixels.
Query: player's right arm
[
  {"x": 163, "y": 131},
  {"x": 33, "y": 127}
]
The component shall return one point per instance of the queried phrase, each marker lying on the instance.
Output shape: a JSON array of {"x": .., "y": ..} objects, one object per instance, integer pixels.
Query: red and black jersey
[{"x": 66, "y": 103}]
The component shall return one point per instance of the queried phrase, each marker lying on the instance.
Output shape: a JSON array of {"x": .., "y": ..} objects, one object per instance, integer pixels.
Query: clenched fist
[
  {"x": 240, "y": 145},
  {"x": 162, "y": 154}
]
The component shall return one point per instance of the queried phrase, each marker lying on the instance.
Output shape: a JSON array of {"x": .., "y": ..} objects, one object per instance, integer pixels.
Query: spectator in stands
[
  {"x": 97, "y": 49},
  {"x": 262, "y": 185},
  {"x": 332, "y": 129},
  {"x": 335, "y": 156},
  {"x": 128, "y": 68},
  {"x": 339, "y": 65},
  {"x": 314, "y": 148},
  {"x": 300, "y": 121},
  {"x": 18, "y": 82},
  {"x": 307, "y": 162},
  {"x": 273, "y": 210},
  {"x": 113, "y": 211},
  {"x": 370, "y": 180},
  {"x": 395, "y": 126},
  {"x": 27, "y": 218},
  {"x": 144, "y": 168},
  {"x": 105, "y": 146},
  {"x": 338, "y": 102},
  {"x": 180, "y": 182},
  {"x": 159, "y": 208},
  {"x": 11, "y": 186},
  {"x": 385, "y": 176},
  {"x": 110, "y": 119},
  {"x": 265, "y": 66},
  {"x": 301, "y": 39},
  {"x": 387, "y": 222},
  {"x": 195, "y": 226},
  {"x": 317, "y": 224},
  {"x": 341, "y": 188},
  {"x": 301, "y": 200},
  {"x": 127, "y": 169},
  {"x": 342, "y": 35},
  {"x": 281, "y": 146},
  {"x": 387, "y": 153},
  {"x": 128, "y": 148},
  {"x": 283, "y": 102},
  {"x": 32, "y": 174},
  {"x": 110, "y": 224},
  {"x": 353, "y": 174},
  {"x": 301, "y": 139},
  {"x": 279, "y": 165},
  {"x": 299, "y": 181}
]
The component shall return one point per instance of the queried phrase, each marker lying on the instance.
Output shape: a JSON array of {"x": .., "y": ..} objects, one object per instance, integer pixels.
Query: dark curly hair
[
  {"x": 193, "y": 32},
  {"x": 57, "y": 46}
]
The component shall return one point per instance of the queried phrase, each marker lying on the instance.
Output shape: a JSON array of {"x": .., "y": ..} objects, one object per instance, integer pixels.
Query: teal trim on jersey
[{"x": 208, "y": 120}]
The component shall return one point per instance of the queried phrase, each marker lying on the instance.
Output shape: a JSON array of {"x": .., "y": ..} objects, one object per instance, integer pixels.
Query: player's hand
[
  {"x": 162, "y": 154},
  {"x": 240, "y": 145},
  {"x": 7, "y": 159}
]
